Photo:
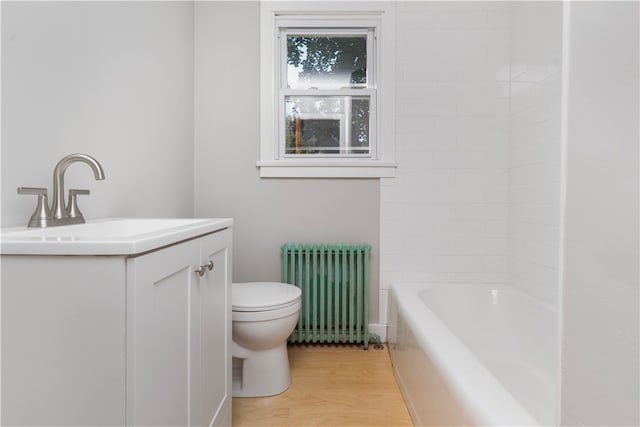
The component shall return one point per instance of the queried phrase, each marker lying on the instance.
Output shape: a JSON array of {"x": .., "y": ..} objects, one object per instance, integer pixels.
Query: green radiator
[{"x": 334, "y": 280}]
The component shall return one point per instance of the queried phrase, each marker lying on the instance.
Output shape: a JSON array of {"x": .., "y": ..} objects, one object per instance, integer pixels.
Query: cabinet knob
[{"x": 203, "y": 268}]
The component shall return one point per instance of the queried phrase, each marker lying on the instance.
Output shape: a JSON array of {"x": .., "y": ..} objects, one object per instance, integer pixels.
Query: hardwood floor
[{"x": 332, "y": 385}]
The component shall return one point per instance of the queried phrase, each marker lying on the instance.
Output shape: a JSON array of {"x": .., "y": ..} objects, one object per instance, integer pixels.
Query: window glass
[
  {"x": 326, "y": 61},
  {"x": 329, "y": 125}
]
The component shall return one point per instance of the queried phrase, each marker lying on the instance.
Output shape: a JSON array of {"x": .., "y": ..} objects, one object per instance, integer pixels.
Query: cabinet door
[
  {"x": 158, "y": 335},
  {"x": 211, "y": 335},
  {"x": 63, "y": 340}
]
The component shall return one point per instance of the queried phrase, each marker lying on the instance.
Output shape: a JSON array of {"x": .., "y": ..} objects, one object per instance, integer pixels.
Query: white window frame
[{"x": 379, "y": 16}]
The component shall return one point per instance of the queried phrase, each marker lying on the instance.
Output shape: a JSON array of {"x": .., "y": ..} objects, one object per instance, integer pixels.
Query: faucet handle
[
  {"x": 32, "y": 190},
  {"x": 42, "y": 215},
  {"x": 74, "y": 211}
]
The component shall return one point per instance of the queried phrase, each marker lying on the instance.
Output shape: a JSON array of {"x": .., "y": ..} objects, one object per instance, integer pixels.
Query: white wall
[
  {"x": 267, "y": 212},
  {"x": 600, "y": 362},
  {"x": 534, "y": 148},
  {"x": 444, "y": 218},
  {"x": 110, "y": 79}
]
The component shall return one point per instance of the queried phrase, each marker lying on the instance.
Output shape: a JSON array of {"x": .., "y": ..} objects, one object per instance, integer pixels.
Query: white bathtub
[{"x": 473, "y": 354}]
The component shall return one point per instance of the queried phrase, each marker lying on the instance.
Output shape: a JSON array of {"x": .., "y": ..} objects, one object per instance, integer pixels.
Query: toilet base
[{"x": 259, "y": 373}]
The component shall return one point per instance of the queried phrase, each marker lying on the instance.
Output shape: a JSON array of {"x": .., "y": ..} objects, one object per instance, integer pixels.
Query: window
[
  {"x": 325, "y": 108},
  {"x": 328, "y": 90}
]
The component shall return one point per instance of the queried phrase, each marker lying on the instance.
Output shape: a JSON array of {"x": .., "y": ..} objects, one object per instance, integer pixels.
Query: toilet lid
[{"x": 263, "y": 296}]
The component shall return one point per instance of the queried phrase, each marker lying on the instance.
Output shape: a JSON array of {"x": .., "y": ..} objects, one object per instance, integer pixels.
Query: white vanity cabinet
[
  {"x": 132, "y": 339},
  {"x": 178, "y": 333}
]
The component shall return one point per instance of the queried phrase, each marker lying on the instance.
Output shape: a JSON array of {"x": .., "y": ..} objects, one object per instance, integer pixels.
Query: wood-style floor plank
[{"x": 332, "y": 385}]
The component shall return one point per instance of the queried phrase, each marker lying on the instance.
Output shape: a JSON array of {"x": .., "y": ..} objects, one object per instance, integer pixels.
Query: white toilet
[{"x": 263, "y": 316}]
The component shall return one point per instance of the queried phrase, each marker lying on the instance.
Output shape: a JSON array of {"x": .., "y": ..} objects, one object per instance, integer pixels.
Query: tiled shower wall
[
  {"x": 534, "y": 142},
  {"x": 444, "y": 218},
  {"x": 478, "y": 146}
]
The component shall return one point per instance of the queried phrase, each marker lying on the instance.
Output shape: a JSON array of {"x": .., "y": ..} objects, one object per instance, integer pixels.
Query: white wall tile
[
  {"x": 430, "y": 277},
  {"x": 457, "y": 159},
  {"x": 444, "y": 218},
  {"x": 481, "y": 246},
  {"x": 483, "y": 211},
  {"x": 496, "y": 229},
  {"x": 484, "y": 71},
  {"x": 435, "y": 106},
  {"x": 391, "y": 245},
  {"x": 496, "y": 159},
  {"x": 458, "y": 264},
  {"x": 391, "y": 229},
  {"x": 459, "y": 228},
  {"x": 416, "y": 71},
  {"x": 414, "y": 125},
  {"x": 391, "y": 211},
  {"x": 434, "y": 245},
  {"x": 382, "y": 306},
  {"x": 535, "y": 212},
  {"x": 416, "y": 159},
  {"x": 534, "y": 279},
  {"x": 388, "y": 277},
  {"x": 498, "y": 19},
  {"x": 534, "y": 151},
  {"x": 473, "y": 19},
  {"x": 488, "y": 107},
  {"x": 475, "y": 278},
  {"x": 477, "y": 128}
]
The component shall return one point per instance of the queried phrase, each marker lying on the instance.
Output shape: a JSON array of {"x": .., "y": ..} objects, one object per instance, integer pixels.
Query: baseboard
[{"x": 379, "y": 329}]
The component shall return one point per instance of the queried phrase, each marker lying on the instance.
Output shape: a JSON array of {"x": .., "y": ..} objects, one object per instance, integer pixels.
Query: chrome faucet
[
  {"x": 61, "y": 213},
  {"x": 61, "y": 210}
]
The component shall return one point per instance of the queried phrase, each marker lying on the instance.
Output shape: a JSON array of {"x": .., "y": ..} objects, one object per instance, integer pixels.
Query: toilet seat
[
  {"x": 264, "y": 296},
  {"x": 265, "y": 315}
]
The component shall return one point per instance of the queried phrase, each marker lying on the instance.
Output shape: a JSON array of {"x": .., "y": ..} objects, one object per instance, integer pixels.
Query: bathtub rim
[{"x": 462, "y": 370}]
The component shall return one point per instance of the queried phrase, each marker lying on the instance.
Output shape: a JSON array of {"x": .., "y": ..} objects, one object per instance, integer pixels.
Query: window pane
[
  {"x": 326, "y": 61},
  {"x": 327, "y": 125}
]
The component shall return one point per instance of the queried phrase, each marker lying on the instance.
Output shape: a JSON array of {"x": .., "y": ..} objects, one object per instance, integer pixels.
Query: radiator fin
[{"x": 334, "y": 280}]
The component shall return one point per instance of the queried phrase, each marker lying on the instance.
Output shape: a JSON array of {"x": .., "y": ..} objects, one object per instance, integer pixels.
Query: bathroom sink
[{"x": 111, "y": 236}]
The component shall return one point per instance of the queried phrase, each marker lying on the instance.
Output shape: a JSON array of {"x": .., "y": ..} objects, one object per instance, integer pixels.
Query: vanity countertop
[{"x": 109, "y": 236}]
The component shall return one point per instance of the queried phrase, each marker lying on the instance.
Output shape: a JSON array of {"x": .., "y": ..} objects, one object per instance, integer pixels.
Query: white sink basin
[{"x": 111, "y": 236}]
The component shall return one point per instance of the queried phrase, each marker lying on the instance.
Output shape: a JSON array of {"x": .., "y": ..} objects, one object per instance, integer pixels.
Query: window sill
[{"x": 326, "y": 169}]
